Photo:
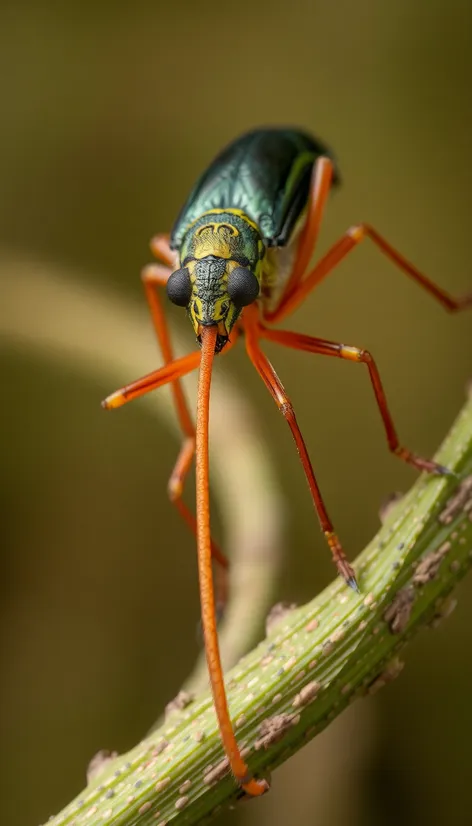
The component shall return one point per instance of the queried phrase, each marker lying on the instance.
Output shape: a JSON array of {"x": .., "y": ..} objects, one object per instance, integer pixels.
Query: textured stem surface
[{"x": 314, "y": 661}]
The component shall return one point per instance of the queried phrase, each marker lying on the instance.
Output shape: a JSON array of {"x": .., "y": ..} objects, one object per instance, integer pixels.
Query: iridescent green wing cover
[{"x": 266, "y": 174}]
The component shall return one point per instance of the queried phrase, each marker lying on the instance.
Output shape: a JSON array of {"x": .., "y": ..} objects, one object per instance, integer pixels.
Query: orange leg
[
  {"x": 238, "y": 765},
  {"x": 343, "y": 247},
  {"x": 154, "y": 276},
  {"x": 161, "y": 250},
  {"x": 321, "y": 179},
  {"x": 152, "y": 381},
  {"x": 276, "y": 389},
  {"x": 331, "y": 348}
]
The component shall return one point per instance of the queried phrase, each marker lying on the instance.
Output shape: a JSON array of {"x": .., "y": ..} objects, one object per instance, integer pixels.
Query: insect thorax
[{"x": 224, "y": 233}]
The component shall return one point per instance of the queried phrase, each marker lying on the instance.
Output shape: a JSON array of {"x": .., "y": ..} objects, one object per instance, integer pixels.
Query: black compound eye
[
  {"x": 243, "y": 286},
  {"x": 179, "y": 287}
]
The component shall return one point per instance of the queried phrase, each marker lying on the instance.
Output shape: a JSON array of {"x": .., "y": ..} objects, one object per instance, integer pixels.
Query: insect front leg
[{"x": 160, "y": 248}]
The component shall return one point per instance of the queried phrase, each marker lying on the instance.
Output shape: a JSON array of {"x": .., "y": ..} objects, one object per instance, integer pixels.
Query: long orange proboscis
[{"x": 207, "y": 599}]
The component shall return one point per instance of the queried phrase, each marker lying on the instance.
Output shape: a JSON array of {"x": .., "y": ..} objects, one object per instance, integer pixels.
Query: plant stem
[{"x": 315, "y": 660}]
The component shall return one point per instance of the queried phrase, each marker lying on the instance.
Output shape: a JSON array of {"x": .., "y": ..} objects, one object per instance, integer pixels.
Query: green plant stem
[{"x": 315, "y": 660}]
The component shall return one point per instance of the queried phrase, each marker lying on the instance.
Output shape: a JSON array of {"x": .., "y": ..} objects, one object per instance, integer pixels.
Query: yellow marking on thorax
[
  {"x": 214, "y": 239},
  {"x": 217, "y": 227},
  {"x": 234, "y": 211},
  {"x": 229, "y": 211}
]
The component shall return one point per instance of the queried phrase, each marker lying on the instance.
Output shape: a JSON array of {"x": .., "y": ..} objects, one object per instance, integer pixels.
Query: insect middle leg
[
  {"x": 277, "y": 391},
  {"x": 153, "y": 277},
  {"x": 331, "y": 348}
]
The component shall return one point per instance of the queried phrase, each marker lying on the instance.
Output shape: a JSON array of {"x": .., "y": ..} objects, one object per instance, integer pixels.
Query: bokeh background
[{"x": 108, "y": 113}]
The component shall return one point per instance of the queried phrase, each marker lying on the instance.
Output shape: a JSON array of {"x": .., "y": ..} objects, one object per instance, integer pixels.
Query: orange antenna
[{"x": 207, "y": 599}]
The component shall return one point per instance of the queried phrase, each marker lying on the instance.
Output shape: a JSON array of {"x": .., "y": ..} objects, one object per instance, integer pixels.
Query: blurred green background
[{"x": 108, "y": 113}]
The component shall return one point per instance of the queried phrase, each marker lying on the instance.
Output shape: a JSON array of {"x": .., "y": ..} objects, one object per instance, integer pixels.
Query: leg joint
[
  {"x": 175, "y": 488},
  {"x": 366, "y": 356},
  {"x": 155, "y": 274},
  {"x": 358, "y": 232},
  {"x": 355, "y": 354},
  {"x": 146, "y": 273}
]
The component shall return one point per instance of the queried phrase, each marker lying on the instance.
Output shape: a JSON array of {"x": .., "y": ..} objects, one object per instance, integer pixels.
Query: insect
[{"x": 238, "y": 260}]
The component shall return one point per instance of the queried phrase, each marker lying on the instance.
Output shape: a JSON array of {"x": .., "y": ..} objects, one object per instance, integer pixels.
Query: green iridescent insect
[{"x": 238, "y": 260}]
